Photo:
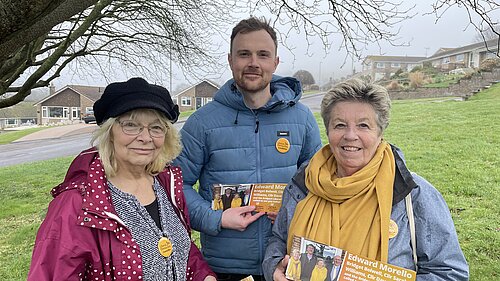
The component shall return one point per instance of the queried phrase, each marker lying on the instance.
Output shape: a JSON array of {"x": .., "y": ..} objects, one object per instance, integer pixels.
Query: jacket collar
[{"x": 285, "y": 91}]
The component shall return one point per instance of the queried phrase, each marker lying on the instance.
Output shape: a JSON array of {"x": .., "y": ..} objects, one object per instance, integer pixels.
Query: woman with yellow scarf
[
  {"x": 357, "y": 194},
  {"x": 294, "y": 269},
  {"x": 319, "y": 271}
]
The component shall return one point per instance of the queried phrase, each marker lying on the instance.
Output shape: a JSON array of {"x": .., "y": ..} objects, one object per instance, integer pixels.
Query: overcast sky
[{"x": 423, "y": 33}]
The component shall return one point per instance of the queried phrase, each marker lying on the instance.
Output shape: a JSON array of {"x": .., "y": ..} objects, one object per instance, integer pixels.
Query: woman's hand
[
  {"x": 210, "y": 278},
  {"x": 279, "y": 272}
]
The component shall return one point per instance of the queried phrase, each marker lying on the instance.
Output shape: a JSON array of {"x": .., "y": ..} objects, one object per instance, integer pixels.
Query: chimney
[{"x": 52, "y": 89}]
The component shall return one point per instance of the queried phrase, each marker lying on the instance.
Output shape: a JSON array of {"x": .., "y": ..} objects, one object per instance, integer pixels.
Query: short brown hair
[{"x": 254, "y": 24}]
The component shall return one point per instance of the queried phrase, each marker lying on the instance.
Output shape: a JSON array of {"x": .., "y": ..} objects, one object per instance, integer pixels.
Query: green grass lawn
[
  {"x": 9, "y": 136},
  {"x": 454, "y": 145},
  {"x": 186, "y": 114}
]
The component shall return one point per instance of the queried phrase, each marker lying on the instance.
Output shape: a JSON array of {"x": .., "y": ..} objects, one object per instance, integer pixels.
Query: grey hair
[{"x": 358, "y": 90}]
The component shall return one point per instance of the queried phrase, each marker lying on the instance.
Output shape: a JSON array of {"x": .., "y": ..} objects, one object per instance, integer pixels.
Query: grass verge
[
  {"x": 453, "y": 144},
  {"x": 10, "y": 136}
]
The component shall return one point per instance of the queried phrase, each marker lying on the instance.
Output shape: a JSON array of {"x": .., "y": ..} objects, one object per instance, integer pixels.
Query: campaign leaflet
[
  {"x": 266, "y": 197},
  {"x": 335, "y": 264}
]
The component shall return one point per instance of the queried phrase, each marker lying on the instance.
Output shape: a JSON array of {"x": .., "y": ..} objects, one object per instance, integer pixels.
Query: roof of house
[
  {"x": 194, "y": 85},
  {"x": 444, "y": 52},
  {"x": 406, "y": 59},
  {"x": 93, "y": 93},
  {"x": 20, "y": 110}
]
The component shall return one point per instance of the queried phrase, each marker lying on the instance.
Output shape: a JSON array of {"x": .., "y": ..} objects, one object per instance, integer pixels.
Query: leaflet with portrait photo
[
  {"x": 340, "y": 265},
  {"x": 266, "y": 197}
]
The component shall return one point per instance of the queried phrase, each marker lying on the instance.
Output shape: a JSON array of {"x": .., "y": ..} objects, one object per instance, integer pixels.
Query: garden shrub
[
  {"x": 489, "y": 64},
  {"x": 393, "y": 86},
  {"x": 416, "y": 79}
]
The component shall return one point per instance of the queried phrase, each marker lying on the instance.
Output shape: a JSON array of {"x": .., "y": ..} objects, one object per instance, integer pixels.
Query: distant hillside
[
  {"x": 37, "y": 95},
  {"x": 20, "y": 110}
]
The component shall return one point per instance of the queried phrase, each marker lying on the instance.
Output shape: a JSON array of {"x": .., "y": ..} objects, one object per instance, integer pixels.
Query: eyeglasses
[{"x": 133, "y": 128}]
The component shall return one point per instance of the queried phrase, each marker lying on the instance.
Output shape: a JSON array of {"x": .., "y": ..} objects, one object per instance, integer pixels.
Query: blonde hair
[{"x": 103, "y": 140}]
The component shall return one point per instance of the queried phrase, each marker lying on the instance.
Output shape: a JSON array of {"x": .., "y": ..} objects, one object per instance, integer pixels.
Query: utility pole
[
  {"x": 319, "y": 76},
  {"x": 170, "y": 68}
]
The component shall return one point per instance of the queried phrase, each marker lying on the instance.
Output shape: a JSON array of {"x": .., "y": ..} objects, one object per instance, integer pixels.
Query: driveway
[{"x": 69, "y": 140}]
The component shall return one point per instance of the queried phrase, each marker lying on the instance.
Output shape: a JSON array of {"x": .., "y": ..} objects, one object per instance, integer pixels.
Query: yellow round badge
[
  {"x": 282, "y": 145},
  {"x": 393, "y": 229},
  {"x": 165, "y": 247}
]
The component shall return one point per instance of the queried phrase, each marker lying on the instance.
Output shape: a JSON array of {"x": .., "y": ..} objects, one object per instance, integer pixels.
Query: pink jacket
[{"x": 82, "y": 237}]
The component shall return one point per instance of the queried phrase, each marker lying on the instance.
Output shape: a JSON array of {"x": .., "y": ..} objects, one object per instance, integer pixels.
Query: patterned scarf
[{"x": 351, "y": 213}]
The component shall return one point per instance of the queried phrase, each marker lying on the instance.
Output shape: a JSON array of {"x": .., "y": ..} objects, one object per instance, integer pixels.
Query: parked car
[{"x": 88, "y": 119}]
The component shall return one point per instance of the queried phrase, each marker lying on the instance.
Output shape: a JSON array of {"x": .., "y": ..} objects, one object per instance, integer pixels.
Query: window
[
  {"x": 11, "y": 121},
  {"x": 55, "y": 112},
  {"x": 380, "y": 65},
  {"x": 460, "y": 57},
  {"x": 89, "y": 110},
  {"x": 207, "y": 100},
  {"x": 446, "y": 60},
  {"x": 66, "y": 112},
  {"x": 379, "y": 76},
  {"x": 490, "y": 55},
  {"x": 395, "y": 64},
  {"x": 185, "y": 101},
  {"x": 75, "y": 113}
]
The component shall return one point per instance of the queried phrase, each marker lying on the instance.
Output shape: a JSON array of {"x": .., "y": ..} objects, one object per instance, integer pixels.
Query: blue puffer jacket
[{"x": 225, "y": 142}]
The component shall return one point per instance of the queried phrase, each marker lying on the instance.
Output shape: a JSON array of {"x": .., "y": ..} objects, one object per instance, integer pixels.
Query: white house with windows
[
  {"x": 68, "y": 105},
  {"x": 196, "y": 96},
  {"x": 469, "y": 56},
  {"x": 383, "y": 67},
  {"x": 21, "y": 114}
]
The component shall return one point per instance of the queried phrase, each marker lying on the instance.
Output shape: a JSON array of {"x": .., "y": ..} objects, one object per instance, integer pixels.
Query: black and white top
[{"x": 147, "y": 234}]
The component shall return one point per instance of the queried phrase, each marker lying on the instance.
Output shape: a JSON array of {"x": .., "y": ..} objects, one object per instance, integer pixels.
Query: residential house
[
  {"x": 196, "y": 96},
  {"x": 68, "y": 105},
  {"x": 469, "y": 56},
  {"x": 383, "y": 67},
  {"x": 21, "y": 114}
]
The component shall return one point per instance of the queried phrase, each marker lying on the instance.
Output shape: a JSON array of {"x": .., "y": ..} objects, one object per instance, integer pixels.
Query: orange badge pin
[
  {"x": 282, "y": 145},
  {"x": 393, "y": 229},
  {"x": 165, "y": 247}
]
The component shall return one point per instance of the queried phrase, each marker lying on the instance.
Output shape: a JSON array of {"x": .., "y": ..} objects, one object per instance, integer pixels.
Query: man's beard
[{"x": 251, "y": 86}]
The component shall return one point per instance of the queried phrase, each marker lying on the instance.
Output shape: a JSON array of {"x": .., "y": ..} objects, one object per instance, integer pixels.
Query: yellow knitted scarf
[{"x": 351, "y": 213}]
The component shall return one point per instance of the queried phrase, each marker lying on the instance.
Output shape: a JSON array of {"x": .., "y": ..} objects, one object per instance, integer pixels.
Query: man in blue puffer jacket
[{"x": 255, "y": 131}]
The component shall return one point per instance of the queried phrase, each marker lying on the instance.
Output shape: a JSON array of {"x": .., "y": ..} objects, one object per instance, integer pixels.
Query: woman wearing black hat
[{"x": 120, "y": 213}]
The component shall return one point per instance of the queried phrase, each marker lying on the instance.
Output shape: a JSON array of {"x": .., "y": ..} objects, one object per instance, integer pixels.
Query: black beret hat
[{"x": 121, "y": 97}]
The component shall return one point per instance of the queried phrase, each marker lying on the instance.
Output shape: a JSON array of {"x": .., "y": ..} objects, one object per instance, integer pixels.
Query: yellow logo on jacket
[{"x": 282, "y": 145}]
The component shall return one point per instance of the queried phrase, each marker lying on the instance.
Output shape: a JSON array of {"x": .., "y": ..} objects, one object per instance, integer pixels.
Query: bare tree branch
[
  {"x": 41, "y": 38},
  {"x": 478, "y": 16}
]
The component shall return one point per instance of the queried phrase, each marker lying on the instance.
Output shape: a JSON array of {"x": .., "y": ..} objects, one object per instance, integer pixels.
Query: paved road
[
  {"x": 36, "y": 150},
  {"x": 48, "y": 148},
  {"x": 72, "y": 143}
]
